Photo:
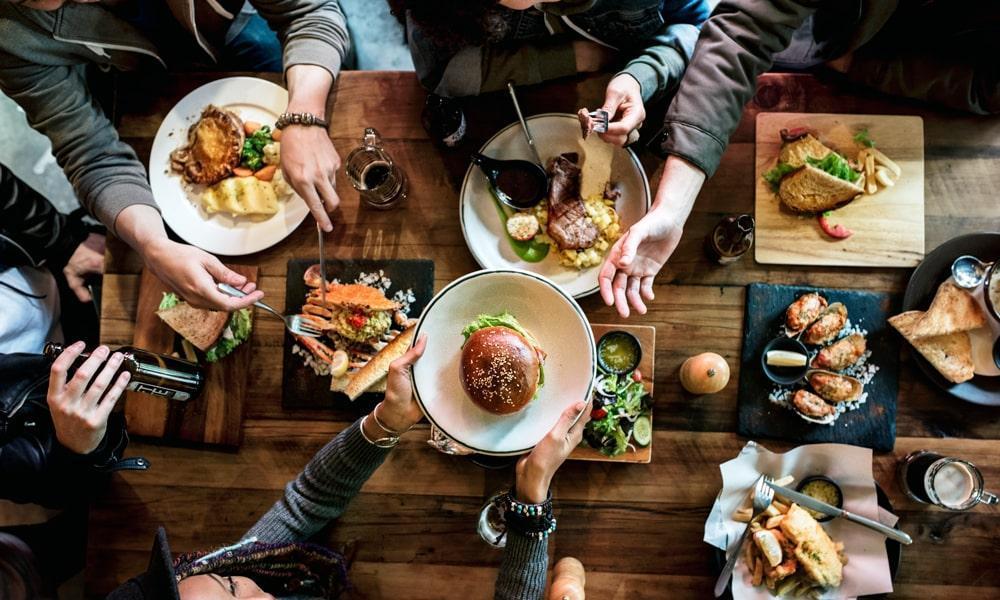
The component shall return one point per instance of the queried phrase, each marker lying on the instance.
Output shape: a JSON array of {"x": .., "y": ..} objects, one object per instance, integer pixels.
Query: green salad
[{"x": 620, "y": 415}]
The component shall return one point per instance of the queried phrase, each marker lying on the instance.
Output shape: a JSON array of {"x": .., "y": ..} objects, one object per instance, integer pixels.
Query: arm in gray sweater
[{"x": 335, "y": 475}]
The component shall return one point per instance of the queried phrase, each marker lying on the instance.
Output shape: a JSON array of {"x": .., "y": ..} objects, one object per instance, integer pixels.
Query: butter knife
[
  {"x": 322, "y": 264},
  {"x": 827, "y": 509}
]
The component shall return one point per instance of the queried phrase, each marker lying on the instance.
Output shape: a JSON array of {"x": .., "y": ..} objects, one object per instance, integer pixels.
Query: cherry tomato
[
  {"x": 357, "y": 320},
  {"x": 598, "y": 413},
  {"x": 637, "y": 376}
]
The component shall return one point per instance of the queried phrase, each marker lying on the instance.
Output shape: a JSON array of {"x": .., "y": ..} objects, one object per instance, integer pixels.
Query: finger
[
  {"x": 217, "y": 299},
  {"x": 76, "y": 283},
  {"x": 612, "y": 100},
  {"x": 615, "y": 139},
  {"x": 111, "y": 398},
  {"x": 647, "y": 288},
  {"x": 630, "y": 246},
  {"x": 567, "y": 418},
  {"x": 221, "y": 272},
  {"x": 308, "y": 193},
  {"x": 86, "y": 371},
  {"x": 329, "y": 194},
  {"x": 630, "y": 120},
  {"x": 581, "y": 423},
  {"x": 632, "y": 292},
  {"x": 619, "y": 290},
  {"x": 605, "y": 277},
  {"x": 103, "y": 379},
  {"x": 249, "y": 288},
  {"x": 61, "y": 365},
  {"x": 411, "y": 355}
]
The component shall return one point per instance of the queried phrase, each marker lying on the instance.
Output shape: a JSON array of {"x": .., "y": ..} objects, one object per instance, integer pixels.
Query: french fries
[{"x": 877, "y": 170}]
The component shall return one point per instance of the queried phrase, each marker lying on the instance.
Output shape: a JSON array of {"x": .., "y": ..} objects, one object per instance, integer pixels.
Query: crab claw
[{"x": 320, "y": 350}]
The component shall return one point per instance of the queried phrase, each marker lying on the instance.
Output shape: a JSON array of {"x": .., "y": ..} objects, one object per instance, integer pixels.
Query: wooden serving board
[
  {"x": 647, "y": 341},
  {"x": 888, "y": 226},
  {"x": 216, "y": 416}
]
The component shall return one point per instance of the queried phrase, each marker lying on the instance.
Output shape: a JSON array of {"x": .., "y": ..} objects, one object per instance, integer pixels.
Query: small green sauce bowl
[{"x": 618, "y": 352}]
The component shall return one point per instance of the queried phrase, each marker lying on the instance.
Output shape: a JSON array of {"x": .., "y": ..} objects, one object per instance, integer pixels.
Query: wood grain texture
[
  {"x": 647, "y": 341},
  {"x": 216, "y": 416},
  {"x": 637, "y": 528},
  {"x": 888, "y": 226}
]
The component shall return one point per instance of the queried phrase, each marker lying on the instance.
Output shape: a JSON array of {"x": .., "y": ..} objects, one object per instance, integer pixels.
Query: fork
[
  {"x": 762, "y": 496},
  {"x": 295, "y": 324},
  {"x": 601, "y": 117}
]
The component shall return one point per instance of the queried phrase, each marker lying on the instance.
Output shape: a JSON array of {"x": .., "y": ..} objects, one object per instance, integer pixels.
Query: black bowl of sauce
[
  {"x": 520, "y": 184},
  {"x": 618, "y": 352},
  {"x": 824, "y": 489}
]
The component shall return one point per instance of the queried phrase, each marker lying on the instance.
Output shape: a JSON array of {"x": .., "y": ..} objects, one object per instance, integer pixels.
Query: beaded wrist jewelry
[{"x": 533, "y": 520}]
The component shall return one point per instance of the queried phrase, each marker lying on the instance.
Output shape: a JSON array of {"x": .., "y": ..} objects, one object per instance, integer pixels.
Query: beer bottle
[{"x": 164, "y": 376}]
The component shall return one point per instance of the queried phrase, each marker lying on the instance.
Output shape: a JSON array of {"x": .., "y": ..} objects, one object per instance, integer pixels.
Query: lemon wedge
[{"x": 786, "y": 358}]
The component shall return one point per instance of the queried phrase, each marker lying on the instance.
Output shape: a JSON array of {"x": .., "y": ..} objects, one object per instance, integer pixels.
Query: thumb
[
  {"x": 612, "y": 100},
  {"x": 630, "y": 245},
  {"x": 76, "y": 283},
  {"x": 413, "y": 353},
  {"x": 567, "y": 418}
]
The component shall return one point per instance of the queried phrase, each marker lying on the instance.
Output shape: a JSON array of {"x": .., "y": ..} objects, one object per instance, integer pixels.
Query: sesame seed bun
[{"x": 500, "y": 370}]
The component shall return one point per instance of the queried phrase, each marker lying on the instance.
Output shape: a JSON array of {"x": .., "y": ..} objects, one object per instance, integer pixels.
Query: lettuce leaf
[
  {"x": 864, "y": 138},
  {"x": 774, "y": 176},
  {"x": 835, "y": 165},
  {"x": 169, "y": 301},
  {"x": 239, "y": 326},
  {"x": 504, "y": 319}
]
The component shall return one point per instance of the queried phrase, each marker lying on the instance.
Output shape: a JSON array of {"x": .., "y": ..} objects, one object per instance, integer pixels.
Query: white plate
[
  {"x": 554, "y": 133},
  {"x": 254, "y": 100},
  {"x": 552, "y": 316}
]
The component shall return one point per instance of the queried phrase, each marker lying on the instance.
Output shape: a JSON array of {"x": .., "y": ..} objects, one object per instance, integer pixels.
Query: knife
[
  {"x": 322, "y": 264},
  {"x": 826, "y": 509}
]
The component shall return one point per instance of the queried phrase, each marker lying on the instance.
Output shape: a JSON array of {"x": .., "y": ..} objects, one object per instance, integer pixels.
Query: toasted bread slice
[
  {"x": 795, "y": 153},
  {"x": 812, "y": 190},
  {"x": 814, "y": 549},
  {"x": 953, "y": 310},
  {"x": 355, "y": 294},
  {"x": 950, "y": 354},
  {"x": 198, "y": 326},
  {"x": 378, "y": 366}
]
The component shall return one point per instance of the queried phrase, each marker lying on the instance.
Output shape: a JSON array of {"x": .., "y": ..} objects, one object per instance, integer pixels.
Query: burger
[
  {"x": 501, "y": 368},
  {"x": 811, "y": 177}
]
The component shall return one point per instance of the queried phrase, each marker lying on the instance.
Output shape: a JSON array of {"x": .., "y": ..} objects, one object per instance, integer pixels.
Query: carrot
[
  {"x": 276, "y": 134},
  {"x": 266, "y": 173},
  {"x": 250, "y": 127},
  {"x": 242, "y": 172}
]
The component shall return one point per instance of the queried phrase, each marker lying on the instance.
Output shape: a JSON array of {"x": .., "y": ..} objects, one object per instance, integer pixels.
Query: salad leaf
[
  {"x": 504, "y": 319},
  {"x": 169, "y": 300},
  {"x": 862, "y": 137},
  {"x": 239, "y": 326},
  {"x": 774, "y": 176},
  {"x": 835, "y": 165}
]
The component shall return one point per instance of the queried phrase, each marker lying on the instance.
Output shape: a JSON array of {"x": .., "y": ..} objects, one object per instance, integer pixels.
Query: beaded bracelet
[{"x": 533, "y": 520}]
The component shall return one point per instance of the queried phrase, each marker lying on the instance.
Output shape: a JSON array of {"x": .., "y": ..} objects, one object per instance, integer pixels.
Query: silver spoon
[
  {"x": 968, "y": 271},
  {"x": 524, "y": 124}
]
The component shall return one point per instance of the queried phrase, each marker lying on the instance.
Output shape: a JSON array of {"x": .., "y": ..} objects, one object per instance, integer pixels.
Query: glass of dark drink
[
  {"x": 371, "y": 171},
  {"x": 950, "y": 483}
]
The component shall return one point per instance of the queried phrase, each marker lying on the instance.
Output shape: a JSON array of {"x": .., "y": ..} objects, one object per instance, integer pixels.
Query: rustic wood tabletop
[{"x": 637, "y": 528}]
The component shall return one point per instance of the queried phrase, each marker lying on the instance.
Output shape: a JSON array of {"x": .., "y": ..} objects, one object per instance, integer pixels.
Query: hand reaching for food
[
  {"x": 626, "y": 277},
  {"x": 80, "y": 407},
  {"x": 534, "y": 472},
  {"x": 309, "y": 163},
  {"x": 87, "y": 259},
  {"x": 399, "y": 411},
  {"x": 623, "y": 101},
  {"x": 193, "y": 273}
]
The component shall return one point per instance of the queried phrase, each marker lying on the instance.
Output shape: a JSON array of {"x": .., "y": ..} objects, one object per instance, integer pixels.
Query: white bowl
[{"x": 544, "y": 309}]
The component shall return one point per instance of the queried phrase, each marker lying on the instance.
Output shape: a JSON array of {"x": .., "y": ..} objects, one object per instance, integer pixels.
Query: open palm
[{"x": 635, "y": 259}]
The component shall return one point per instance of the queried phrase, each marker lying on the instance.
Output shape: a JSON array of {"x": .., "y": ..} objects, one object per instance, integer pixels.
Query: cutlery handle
[
  {"x": 889, "y": 532},
  {"x": 727, "y": 571},
  {"x": 225, "y": 288},
  {"x": 524, "y": 124}
]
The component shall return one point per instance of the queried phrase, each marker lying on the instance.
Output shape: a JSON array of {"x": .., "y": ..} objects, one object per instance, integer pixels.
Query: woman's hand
[
  {"x": 80, "y": 408},
  {"x": 87, "y": 259},
  {"x": 398, "y": 411},
  {"x": 534, "y": 472},
  {"x": 626, "y": 112}
]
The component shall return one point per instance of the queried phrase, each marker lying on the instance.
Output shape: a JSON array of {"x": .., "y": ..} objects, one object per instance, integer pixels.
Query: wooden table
[{"x": 637, "y": 528}]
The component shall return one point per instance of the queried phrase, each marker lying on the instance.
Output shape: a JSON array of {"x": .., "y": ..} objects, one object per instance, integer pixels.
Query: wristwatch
[{"x": 287, "y": 119}]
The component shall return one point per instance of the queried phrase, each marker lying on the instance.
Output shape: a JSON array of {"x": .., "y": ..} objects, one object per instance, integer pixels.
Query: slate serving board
[
  {"x": 873, "y": 424},
  {"x": 301, "y": 387}
]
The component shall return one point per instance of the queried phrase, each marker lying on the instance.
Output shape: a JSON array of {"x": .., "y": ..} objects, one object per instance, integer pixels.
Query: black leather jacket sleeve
[{"x": 32, "y": 231}]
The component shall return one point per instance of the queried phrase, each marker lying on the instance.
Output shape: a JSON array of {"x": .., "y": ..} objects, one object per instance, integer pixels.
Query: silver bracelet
[
  {"x": 378, "y": 422},
  {"x": 382, "y": 442}
]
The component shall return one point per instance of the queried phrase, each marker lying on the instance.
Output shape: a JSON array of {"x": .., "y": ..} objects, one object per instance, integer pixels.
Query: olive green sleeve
[
  {"x": 659, "y": 67},
  {"x": 481, "y": 69}
]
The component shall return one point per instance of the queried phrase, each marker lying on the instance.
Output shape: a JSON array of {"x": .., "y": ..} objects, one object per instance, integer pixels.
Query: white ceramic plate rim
[
  {"x": 483, "y": 149},
  {"x": 172, "y": 198},
  {"x": 520, "y": 272}
]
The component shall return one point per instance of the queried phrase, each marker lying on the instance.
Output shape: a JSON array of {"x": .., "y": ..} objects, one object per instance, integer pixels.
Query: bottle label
[
  {"x": 456, "y": 137},
  {"x": 155, "y": 390}
]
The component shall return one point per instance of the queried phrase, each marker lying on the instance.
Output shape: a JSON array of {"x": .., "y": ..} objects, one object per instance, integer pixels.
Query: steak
[
  {"x": 568, "y": 223},
  {"x": 213, "y": 150}
]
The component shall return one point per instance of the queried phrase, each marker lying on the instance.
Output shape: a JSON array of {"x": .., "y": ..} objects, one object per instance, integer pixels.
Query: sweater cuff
[
  {"x": 653, "y": 80},
  {"x": 115, "y": 198},
  {"x": 524, "y": 567},
  {"x": 313, "y": 52},
  {"x": 691, "y": 143}
]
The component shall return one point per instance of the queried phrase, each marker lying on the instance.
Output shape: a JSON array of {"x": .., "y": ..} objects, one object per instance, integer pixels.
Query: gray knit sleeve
[
  {"x": 523, "y": 568},
  {"x": 322, "y": 490}
]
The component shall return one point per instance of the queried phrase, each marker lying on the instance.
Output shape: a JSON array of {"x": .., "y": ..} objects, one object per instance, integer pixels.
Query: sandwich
[
  {"x": 501, "y": 364},
  {"x": 355, "y": 312},
  {"x": 216, "y": 333},
  {"x": 810, "y": 177}
]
